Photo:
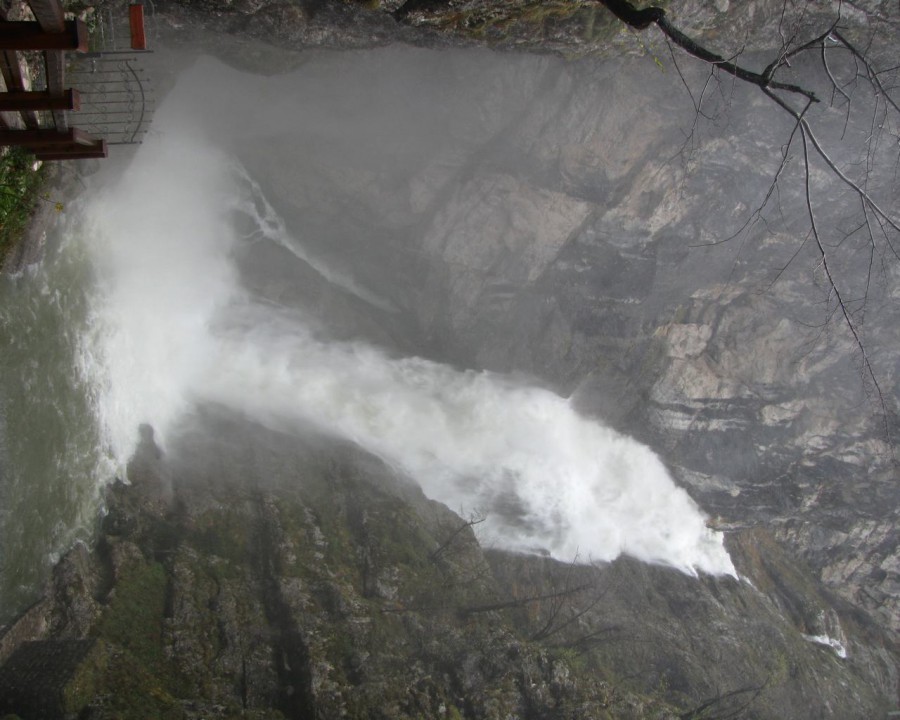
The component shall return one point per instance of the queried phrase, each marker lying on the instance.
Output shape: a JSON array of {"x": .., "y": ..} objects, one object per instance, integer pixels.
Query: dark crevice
[
  {"x": 243, "y": 684},
  {"x": 290, "y": 653}
]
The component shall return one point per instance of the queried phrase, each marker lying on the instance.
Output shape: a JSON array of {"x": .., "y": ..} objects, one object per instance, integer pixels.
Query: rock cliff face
[
  {"x": 570, "y": 235},
  {"x": 346, "y": 593},
  {"x": 567, "y": 233}
]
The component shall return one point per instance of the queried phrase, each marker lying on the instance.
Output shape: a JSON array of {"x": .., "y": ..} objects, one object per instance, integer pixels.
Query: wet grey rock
[{"x": 624, "y": 300}]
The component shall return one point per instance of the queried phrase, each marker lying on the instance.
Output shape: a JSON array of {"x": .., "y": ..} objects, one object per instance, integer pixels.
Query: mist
[{"x": 176, "y": 325}]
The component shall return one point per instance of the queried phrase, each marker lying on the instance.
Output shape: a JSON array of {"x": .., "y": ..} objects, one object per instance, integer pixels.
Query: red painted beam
[
  {"x": 31, "y": 36},
  {"x": 136, "y": 23},
  {"x": 15, "y": 101}
]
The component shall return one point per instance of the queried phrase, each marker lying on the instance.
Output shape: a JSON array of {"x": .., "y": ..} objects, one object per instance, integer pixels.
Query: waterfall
[{"x": 170, "y": 324}]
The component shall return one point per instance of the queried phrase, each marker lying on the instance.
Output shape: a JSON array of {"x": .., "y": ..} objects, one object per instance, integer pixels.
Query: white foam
[
  {"x": 548, "y": 478},
  {"x": 839, "y": 649},
  {"x": 161, "y": 244}
]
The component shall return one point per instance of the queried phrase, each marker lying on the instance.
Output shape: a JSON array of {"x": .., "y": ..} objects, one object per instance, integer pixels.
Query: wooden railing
[{"x": 41, "y": 122}]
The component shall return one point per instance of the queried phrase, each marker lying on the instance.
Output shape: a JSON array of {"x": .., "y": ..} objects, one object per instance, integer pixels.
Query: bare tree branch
[
  {"x": 808, "y": 138},
  {"x": 720, "y": 706},
  {"x": 823, "y": 43},
  {"x": 642, "y": 19},
  {"x": 475, "y": 519}
]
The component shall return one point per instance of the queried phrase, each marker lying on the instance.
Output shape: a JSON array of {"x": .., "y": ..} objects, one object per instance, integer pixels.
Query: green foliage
[{"x": 19, "y": 188}]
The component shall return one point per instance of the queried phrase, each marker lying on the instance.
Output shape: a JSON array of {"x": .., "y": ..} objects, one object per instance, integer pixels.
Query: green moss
[
  {"x": 223, "y": 533},
  {"x": 111, "y": 684},
  {"x": 86, "y": 681},
  {"x": 134, "y": 618},
  {"x": 127, "y": 674},
  {"x": 401, "y": 538},
  {"x": 129, "y": 691}
]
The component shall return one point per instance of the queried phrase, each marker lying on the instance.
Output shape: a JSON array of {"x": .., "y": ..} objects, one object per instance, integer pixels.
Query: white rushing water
[{"x": 172, "y": 327}]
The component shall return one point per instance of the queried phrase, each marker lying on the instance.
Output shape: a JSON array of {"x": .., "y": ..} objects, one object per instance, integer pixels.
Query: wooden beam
[
  {"x": 44, "y": 100},
  {"x": 31, "y": 36},
  {"x": 85, "y": 155},
  {"x": 46, "y": 138},
  {"x": 11, "y": 69},
  {"x": 54, "y": 62},
  {"x": 49, "y": 14},
  {"x": 136, "y": 25},
  {"x": 75, "y": 152}
]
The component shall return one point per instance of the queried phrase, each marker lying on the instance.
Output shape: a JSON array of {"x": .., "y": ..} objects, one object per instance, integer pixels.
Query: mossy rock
[
  {"x": 120, "y": 687},
  {"x": 127, "y": 675},
  {"x": 223, "y": 533},
  {"x": 134, "y": 618}
]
